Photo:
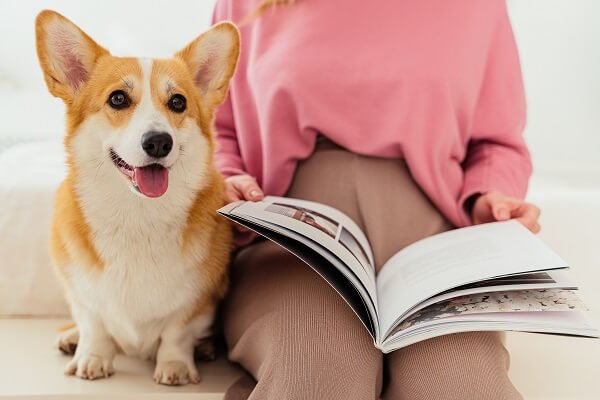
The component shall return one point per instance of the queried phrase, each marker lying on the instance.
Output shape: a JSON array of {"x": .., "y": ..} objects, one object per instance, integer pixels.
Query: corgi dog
[{"x": 136, "y": 240}]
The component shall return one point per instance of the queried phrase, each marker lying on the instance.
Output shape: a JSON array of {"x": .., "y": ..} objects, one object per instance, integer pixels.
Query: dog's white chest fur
[{"x": 144, "y": 282}]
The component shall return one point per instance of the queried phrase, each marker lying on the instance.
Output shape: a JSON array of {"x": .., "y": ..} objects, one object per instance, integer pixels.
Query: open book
[{"x": 496, "y": 276}]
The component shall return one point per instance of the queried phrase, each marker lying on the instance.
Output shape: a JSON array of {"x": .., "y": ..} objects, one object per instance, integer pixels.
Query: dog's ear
[
  {"x": 212, "y": 58},
  {"x": 67, "y": 55}
]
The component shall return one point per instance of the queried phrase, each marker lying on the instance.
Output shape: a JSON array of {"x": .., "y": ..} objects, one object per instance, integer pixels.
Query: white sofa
[{"x": 543, "y": 367}]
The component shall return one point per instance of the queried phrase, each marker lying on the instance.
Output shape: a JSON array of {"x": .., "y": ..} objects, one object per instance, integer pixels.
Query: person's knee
[
  {"x": 313, "y": 365},
  {"x": 286, "y": 325},
  {"x": 464, "y": 366},
  {"x": 313, "y": 326},
  {"x": 261, "y": 276}
]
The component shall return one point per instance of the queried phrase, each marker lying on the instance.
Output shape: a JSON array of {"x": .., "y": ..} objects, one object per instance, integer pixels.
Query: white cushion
[{"x": 29, "y": 175}]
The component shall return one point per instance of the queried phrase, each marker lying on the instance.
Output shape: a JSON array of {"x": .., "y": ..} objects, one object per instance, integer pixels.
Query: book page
[
  {"x": 323, "y": 262},
  {"x": 351, "y": 232},
  {"x": 556, "y": 279},
  {"x": 573, "y": 323},
  {"x": 324, "y": 225},
  {"x": 454, "y": 258},
  {"x": 541, "y": 300}
]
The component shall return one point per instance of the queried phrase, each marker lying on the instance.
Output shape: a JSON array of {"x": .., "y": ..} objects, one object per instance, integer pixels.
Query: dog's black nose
[{"x": 157, "y": 144}]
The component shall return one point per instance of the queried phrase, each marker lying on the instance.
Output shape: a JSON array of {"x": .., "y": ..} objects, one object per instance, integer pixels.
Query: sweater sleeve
[
  {"x": 227, "y": 156},
  {"x": 497, "y": 157}
]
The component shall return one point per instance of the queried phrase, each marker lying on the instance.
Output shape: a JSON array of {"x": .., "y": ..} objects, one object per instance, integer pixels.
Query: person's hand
[
  {"x": 242, "y": 187},
  {"x": 496, "y": 206}
]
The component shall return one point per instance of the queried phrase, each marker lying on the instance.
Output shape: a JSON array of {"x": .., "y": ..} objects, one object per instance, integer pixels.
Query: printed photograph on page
[{"x": 492, "y": 302}]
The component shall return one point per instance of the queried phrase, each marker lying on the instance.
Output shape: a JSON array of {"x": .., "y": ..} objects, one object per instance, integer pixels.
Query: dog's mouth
[{"x": 150, "y": 180}]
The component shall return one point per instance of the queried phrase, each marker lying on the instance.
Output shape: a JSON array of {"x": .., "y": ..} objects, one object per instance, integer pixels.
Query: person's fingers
[
  {"x": 503, "y": 207},
  {"x": 533, "y": 226},
  {"x": 242, "y": 187},
  {"x": 528, "y": 215},
  {"x": 500, "y": 210},
  {"x": 250, "y": 190},
  {"x": 528, "y": 211},
  {"x": 231, "y": 194},
  {"x": 482, "y": 211}
]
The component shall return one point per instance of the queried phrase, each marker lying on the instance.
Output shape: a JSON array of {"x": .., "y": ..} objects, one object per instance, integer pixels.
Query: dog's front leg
[
  {"x": 95, "y": 351},
  {"x": 175, "y": 358}
]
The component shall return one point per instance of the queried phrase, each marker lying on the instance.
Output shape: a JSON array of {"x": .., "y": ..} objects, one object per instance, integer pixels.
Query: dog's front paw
[
  {"x": 175, "y": 373},
  {"x": 90, "y": 367}
]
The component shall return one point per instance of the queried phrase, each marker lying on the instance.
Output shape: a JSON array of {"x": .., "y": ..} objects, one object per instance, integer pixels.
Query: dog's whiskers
[{"x": 98, "y": 168}]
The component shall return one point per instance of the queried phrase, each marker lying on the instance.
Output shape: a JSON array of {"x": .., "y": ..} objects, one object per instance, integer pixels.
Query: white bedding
[{"x": 31, "y": 172}]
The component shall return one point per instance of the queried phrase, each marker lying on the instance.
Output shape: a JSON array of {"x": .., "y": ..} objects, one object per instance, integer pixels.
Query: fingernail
[
  {"x": 254, "y": 193},
  {"x": 503, "y": 214}
]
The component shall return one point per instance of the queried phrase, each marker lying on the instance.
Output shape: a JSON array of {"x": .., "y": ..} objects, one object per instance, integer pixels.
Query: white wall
[
  {"x": 155, "y": 28},
  {"x": 559, "y": 43},
  {"x": 133, "y": 27}
]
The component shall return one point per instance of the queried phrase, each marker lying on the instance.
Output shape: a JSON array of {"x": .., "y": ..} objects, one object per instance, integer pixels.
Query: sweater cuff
[
  {"x": 229, "y": 165},
  {"x": 231, "y": 171}
]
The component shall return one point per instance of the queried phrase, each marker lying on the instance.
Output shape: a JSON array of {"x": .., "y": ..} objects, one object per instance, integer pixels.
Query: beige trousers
[{"x": 298, "y": 339}]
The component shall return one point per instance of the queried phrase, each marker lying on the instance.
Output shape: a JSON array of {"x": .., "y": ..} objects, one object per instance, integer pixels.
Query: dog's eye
[
  {"x": 177, "y": 103},
  {"x": 118, "y": 100}
]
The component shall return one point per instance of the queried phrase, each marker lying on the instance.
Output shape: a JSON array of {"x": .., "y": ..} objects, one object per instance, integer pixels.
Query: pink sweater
[{"x": 435, "y": 82}]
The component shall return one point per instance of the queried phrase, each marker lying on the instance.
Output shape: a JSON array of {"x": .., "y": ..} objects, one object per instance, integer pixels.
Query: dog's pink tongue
[{"x": 152, "y": 180}]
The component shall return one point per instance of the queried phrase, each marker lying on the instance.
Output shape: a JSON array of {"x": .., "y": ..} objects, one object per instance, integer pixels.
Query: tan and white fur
[{"x": 143, "y": 270}]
